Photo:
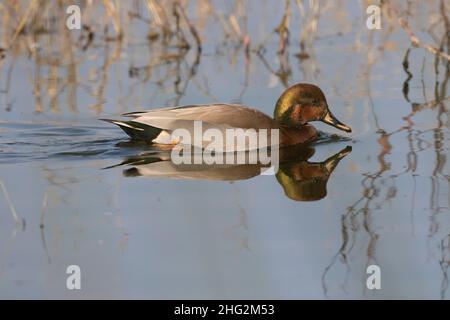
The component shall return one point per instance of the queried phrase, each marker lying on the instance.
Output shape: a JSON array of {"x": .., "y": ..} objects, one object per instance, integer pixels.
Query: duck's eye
[{"x": 315, "y": 101}]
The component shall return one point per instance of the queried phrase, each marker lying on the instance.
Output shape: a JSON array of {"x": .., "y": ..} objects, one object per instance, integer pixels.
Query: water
[{"x": 66, "y": 200}]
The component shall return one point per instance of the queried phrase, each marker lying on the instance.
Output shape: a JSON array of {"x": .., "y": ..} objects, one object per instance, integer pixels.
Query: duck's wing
[
  {"x": 158, "y": 125},
  {"x": 212, "y": 115}
]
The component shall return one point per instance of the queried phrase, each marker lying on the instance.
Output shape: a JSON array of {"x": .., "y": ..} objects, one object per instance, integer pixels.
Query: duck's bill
[{"x": 332, "y": 121}]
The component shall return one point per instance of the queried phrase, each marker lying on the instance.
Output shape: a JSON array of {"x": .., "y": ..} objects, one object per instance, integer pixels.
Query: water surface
[{"x": 385, "y": 203}]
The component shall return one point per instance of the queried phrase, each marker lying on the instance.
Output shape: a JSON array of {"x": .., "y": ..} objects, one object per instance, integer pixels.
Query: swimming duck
[{"x": 298, "y": 105}]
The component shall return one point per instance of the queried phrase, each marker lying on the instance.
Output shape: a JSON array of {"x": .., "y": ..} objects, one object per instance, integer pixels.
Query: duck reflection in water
[{"x": 301, "y": 179}]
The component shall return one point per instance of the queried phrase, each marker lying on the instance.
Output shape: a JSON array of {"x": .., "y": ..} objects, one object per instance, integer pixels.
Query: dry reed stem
[
  {"x": 113, "y": 10},
  {"x": 24, "y": 20}
]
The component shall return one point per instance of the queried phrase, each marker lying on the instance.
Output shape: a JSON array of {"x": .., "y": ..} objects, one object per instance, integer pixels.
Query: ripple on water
[{"x": 21, "y": 142}]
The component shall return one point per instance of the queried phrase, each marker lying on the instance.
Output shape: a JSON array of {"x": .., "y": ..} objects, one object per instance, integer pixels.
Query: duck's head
[{"x": 303, "y": 103}]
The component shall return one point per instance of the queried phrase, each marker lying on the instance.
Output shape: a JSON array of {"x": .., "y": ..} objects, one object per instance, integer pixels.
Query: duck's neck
[
  {"x": 282, "y": 108},
  {"x": 290, "y": 136}
]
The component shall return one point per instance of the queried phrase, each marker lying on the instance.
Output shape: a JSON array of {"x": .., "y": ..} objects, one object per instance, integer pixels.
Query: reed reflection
[{"x": 379, "y": 187}]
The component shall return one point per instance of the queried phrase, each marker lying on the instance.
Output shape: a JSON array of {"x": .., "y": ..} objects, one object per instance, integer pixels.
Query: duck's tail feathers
[
  {"x": 134, "y": 114},
  {"x": 136, "y": 130}
]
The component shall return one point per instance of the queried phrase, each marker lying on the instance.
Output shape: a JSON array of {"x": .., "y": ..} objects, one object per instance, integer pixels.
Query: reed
[{"x": 176, "y": 32}]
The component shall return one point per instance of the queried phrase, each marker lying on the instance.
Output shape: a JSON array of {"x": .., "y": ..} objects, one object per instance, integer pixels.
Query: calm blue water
[{"x": 386, "y": 202}]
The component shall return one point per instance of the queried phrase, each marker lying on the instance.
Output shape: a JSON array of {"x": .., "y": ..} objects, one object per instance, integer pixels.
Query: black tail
[{"x": 136, "y": 130}]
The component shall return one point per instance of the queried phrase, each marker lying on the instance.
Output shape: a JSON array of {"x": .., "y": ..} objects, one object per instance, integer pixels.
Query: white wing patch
[{"x": 165, "y": 138}]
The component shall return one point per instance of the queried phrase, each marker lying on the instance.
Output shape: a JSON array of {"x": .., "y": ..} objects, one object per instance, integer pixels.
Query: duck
[{"x": 296, "y": 107}]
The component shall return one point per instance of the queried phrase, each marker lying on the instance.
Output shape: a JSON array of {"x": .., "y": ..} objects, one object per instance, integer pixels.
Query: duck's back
[{"x": 228, "y": 115}]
